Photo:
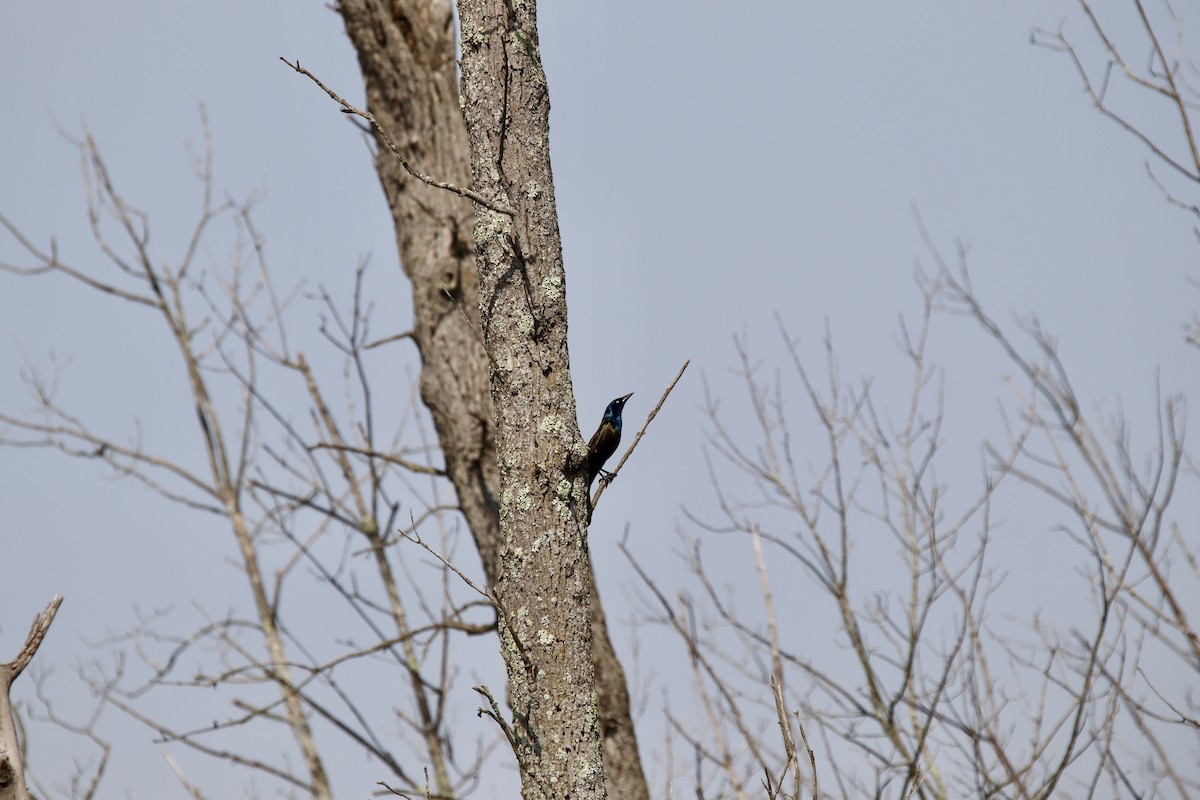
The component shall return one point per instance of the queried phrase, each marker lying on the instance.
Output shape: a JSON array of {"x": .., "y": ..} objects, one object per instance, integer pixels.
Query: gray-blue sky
[{"x": 715, "y": 163}]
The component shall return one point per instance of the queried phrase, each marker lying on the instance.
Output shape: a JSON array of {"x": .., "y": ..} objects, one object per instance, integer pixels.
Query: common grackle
[{"x": 606, "y": 438}]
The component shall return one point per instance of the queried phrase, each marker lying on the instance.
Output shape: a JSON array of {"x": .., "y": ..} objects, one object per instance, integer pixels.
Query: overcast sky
[{"x": 716, "y": 163}]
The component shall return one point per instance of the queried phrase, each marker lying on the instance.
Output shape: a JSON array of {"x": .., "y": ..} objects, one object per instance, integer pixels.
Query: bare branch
[
  {"x": 650, "y": 418},
  {"x": 347, "y": 108},
  {"x": 37, "y": 632}
]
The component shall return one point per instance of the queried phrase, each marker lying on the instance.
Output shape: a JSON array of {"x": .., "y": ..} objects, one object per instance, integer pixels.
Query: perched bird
[{"x": 606, "y": 438}]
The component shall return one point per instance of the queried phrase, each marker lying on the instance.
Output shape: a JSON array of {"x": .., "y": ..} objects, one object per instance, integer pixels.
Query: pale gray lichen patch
[
  {"x": 493, "y": 226},
  {"x": 563, "y": 490},
  {"x": 471, "y": 35},
  {"x": 552, "y": 287},
  {"x": 584, "y": 770},
  {"x": 519, "y": 39},
  {"x": 516, "y": 561},
  {"x": 545, "y": 637},
  {"x": 524, "y": 499},
  {"x": 525, "y": 323},
  {"x": 532, "y": 190},
  {"x": 563, "y": 509},
  {"x": 551, "y": 423}
]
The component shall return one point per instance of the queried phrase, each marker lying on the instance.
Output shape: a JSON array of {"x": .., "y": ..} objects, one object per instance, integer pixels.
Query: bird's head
[{"x": 613, "y": 412}]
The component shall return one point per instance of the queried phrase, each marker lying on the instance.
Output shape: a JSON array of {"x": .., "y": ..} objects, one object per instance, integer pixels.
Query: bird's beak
[{"x": 625, "y": 399}]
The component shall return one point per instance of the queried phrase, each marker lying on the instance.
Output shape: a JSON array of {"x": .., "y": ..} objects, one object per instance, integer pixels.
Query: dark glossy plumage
[{"x": 606, "y": 438}]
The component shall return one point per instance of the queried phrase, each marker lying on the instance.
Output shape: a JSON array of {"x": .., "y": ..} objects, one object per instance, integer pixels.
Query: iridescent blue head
[{"x": 612, "y": 414}]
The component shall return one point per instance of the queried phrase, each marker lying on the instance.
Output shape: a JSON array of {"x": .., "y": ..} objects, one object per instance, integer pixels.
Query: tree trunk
[
  {"x": 407, "y": 56},
  {"x": 406, "y": 52},
  {"x": 545, "y": 588}
]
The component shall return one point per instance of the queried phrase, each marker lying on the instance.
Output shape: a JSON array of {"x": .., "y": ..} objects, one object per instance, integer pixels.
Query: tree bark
[
  {"x": 545, "y": 588},
  {"x": 407, "y": 56},
  {"x": 406, "y": 53}
]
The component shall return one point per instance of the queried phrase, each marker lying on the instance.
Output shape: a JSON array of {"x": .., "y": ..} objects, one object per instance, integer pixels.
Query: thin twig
[
  {"x": 416, "y": 539},
  {"x": 395, "y": 337},
  {"x": 347, "y": 108},
  {"x": 411, "y": 466},
  {"x": 187, "y": 785},
  {"x": 638, "y": 438},
  {"x": 812, "y": 759},
  {"x": 494, "y": 712}
]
